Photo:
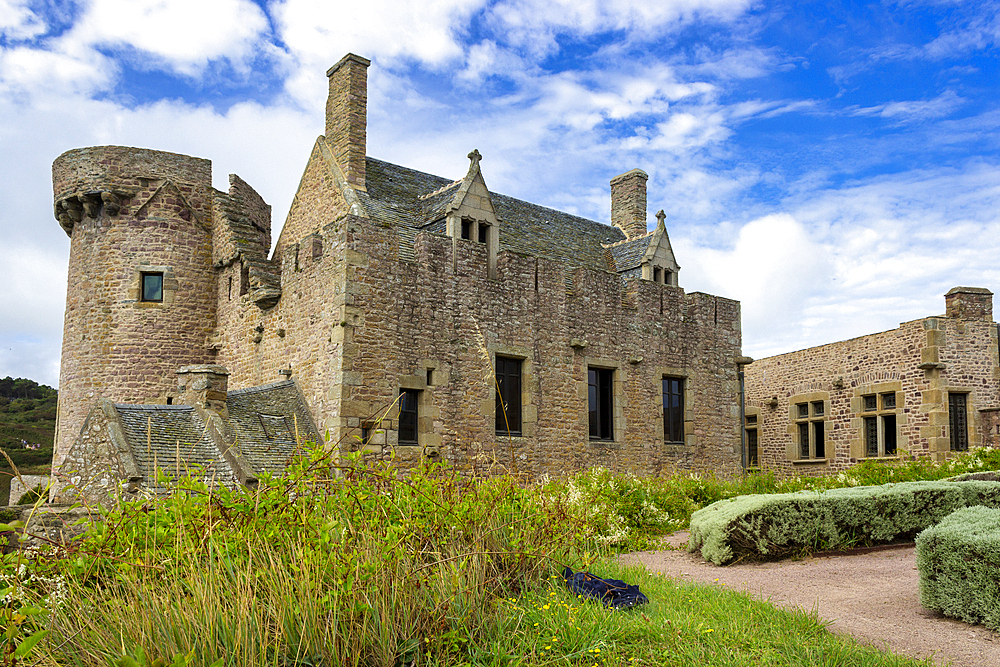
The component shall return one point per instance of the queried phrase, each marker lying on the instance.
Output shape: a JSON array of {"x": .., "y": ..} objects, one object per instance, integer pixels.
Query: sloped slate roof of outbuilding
[
  {"x": 156, "y": 434},
  {"x": 395, "y": 195},
  {"x": 265, "y": 419}
]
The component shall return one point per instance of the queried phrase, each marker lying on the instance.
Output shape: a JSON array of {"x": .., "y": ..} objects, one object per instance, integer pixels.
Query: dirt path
[{"x": 871, "y": 596}]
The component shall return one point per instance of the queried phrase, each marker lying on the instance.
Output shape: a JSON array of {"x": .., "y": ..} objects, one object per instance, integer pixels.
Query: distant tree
[{"x": 24, "y": 388}]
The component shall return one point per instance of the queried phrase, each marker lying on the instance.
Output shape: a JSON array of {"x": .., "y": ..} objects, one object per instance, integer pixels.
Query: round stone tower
[{"x": 141, "y": 298}]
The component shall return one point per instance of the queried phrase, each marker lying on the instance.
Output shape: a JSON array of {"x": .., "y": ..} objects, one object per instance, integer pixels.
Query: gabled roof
[
  {"x": 411, "y": 200},
  {"x": 170, "y": 438},
  {"x": 263, "y": 421}
]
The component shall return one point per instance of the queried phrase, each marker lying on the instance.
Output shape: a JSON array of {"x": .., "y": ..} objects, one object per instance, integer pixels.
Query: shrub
[
  {"x": 959, "y": 562},
  {"x": 781, "y": 525},
  {"x": 369, "y": 566}
]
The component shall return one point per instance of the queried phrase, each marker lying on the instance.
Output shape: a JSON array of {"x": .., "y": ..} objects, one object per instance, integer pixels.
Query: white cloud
[
  {"x": 184, "y": 35},
  {"x": 772, "y": 268},
  {"x": 36, "y": 76},
  {"x": 18, "y": 22},
  {"x": 914, "y": 110},
  {"x": 533, "y": 24}
]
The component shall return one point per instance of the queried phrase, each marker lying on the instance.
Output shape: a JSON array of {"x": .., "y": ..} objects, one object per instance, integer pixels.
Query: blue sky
[{"x": 835, "y": 166}]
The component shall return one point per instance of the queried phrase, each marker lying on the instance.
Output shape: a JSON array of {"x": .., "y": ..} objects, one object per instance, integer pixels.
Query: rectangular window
[
  {"x": 752, "y": 448},
  {"x": 811, "y": 429},
  {"x": 408, "y": 401},
  {"x": 600, "y": 400},
  {"x": 958, "y": 425},
  {"x": 673, "y": 409},
  {"x": 467, "y": 230},
  {"x": 879, "y": 432},
  {"x": 656, "y": 274},
  {"x": 484, "y": 231},
  {"x": 508, "y": 398},
  {"x": 152, "y": 287}
]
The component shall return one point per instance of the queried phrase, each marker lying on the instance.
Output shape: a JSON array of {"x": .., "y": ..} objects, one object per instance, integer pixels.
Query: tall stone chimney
[
  {"x": 628, "y": 202},
  {"x": 347, "y": 116},
  {"x": 969, "y": 303},
  {"x": 205, "y": 386}
]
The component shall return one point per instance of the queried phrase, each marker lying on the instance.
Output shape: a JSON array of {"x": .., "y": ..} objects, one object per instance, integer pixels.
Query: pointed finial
[
  {"x": 475, "y": 156},
  {"x": 660, "y": 215}
]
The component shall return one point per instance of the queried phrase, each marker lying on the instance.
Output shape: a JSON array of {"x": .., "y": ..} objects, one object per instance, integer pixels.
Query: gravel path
[{"x": 872, "y": 596}]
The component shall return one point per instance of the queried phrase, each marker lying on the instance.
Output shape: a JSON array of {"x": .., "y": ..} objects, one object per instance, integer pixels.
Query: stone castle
[{"x": 414, "y": 316}]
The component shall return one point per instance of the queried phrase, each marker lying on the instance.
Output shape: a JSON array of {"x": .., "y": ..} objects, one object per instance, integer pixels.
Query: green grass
[{"x": 365, "y": 566}]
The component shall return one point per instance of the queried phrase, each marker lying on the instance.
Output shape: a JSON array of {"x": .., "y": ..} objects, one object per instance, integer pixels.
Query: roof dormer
[
  {"x": 658, "y": 263},
  {"x": 471, "y": 215}
]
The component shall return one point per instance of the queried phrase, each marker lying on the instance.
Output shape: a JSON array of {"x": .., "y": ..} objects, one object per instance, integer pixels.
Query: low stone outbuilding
[
  {"x": 219, "y": 436},
  {"x": 927, "y": 388}
]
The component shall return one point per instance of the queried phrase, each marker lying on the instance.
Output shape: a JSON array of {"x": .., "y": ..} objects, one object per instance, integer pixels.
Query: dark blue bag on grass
[{"x": 613, "y": 593}]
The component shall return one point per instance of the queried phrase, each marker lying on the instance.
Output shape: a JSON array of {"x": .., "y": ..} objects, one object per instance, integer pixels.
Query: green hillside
[{"x": 27, "y": 429}]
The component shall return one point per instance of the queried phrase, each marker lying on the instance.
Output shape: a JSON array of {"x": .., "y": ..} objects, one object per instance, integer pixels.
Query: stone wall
[
  {"x": 918, "y": 365},
  {"x": 358, "y": 324},
  {"x": 128, "y": 211}
]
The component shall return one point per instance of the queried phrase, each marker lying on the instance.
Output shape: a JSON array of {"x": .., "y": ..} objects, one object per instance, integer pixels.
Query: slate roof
[
  {"x": 157, "y": 433},
  {"x": 411, "y": 200},
  {"x": 264, "y": 420},
  {"x": 628, "y": 255}
]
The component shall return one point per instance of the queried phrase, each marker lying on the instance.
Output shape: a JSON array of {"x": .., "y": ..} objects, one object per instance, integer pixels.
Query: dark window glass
[
  {"x": 600, "y": 399},
  {"x": 804, "y": 440},
  {"x": 673, "y": 409},
  {"x": 818, "y": 409},
  {"x": 870, "y": 403},
  {"x": 467, "y": 230},
  {"x": 958, "y": 423},
  {"x": 508, "y": 396},
  {"x": 889, "y": 401},
  {"x": 152, "y": 287},
  {"x": 803, "y": 410},
  {"x": 484, "y": 230},
  {"x": 408, "y": 400},
  {"x": 819, "y": 441},
  {"x": 751, "y": 419},
  {"x": 656, "y": 275},
  {"x": 889, "y": 434},
  {"x": 752, "y": 447},
  {"x": 871, "y": 436}
]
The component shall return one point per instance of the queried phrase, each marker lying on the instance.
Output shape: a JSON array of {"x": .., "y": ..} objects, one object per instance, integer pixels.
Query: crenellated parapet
[{"x": 118, "y": 180}]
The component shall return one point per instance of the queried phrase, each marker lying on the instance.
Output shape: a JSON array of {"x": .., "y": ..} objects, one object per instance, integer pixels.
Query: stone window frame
[
  {"x": 860, "y": 413},
  {"x": 690, "y": 436},
  {"x": 751, "y": 424},
  {"x": 169, "y": 289},
  {"x": 969, "y": 435},
  {"x": 414, "y": 395},
  {"x": 875, "y": 412},
  {"x": 144, "y": 278},
  {"x": 507, "y": 421},
  {"x": 793, "y": 450},
  {"x": 529, "y": 380},
  {"x": 683, "y": 407},
  {"x": 428, "y": 440},
  {"x": 618, "y": 378}
]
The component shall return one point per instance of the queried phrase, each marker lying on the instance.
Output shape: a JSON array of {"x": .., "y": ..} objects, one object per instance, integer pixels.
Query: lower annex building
[
  {"x": 927, "y": 388},
  {"x": 411, "y": 315}
]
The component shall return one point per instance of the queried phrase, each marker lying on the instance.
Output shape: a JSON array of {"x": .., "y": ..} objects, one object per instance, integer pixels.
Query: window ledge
[{"x": 809, "y": 461}]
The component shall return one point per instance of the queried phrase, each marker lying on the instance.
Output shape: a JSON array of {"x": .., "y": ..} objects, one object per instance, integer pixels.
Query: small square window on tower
[{"x": 152, "y": 287}]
